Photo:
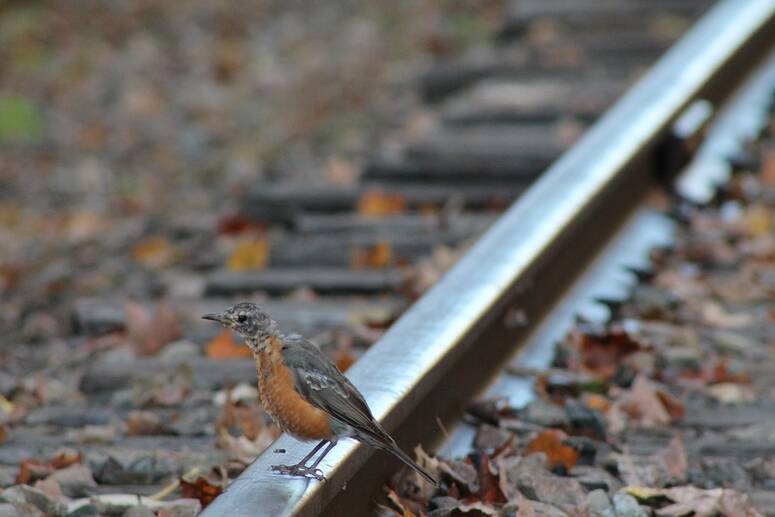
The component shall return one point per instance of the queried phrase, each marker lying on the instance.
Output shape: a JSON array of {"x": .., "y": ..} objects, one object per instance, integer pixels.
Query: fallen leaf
[
  {"x": 557, "y": 453},
  {"x": 489, "y": 489},
  {"x": 143, "y": 423},
  {"x": 341, "y": 171},
  {"x": 394, "y": 498},
  {"x": 249, "y": 254},
  {"x": 380, "y": 255},
  {"x": 596, "y": 402},
  {"x": 650, "y": 406},
  {"x": 31, "y": 470},
  {"x": 666, "y": 467},
  {"x": 731, "y": 393},
  {"x": 148, "y": 332},
  {"x": 714, "y": 314},
  {"x": 244, "y": 450},
  {"x": 223, "y": 346},
  {"x": 602, "y": 354},
  {"x": 343, "y": 355},
  {"x": 767, "y": 174},
  {"x": 82, "y": 226},
  {"x": 154, "y": 252},
  {"x": 203, "y": 488},
  {"x": 758, "y": 220},
  {"x": 247, "y": 417},
  {"x": 65, "y": 457},
  {"x": 235, "y": 224},
  {"x": 376, "y": 203}
]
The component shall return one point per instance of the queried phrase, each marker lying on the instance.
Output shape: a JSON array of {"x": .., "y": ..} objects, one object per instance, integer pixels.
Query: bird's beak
[{"x": 220, "y": 318}]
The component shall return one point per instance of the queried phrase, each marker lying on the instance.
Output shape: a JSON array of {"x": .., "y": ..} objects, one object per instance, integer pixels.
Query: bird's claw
[{"x": 299, "y": 470}]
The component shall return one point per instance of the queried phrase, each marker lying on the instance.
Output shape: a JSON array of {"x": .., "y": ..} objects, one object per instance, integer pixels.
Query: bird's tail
[{"x": 401, "y": 455}]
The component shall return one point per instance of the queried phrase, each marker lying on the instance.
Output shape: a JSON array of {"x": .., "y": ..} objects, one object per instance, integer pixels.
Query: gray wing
[{"x": 320, "y": 383}]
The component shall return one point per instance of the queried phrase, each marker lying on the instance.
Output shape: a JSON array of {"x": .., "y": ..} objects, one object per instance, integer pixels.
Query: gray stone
[
  {"x": 139, "y": 511},
  {"x": 181, "y": 508},
  {"x": 9, "y": 510},
  {"x": 95, "y": 317},
  {"x": 75, "y": 480},
  {"x": 545, "y": 414},
  {"x": 31, "y": 501},
  {"x": 627, "y": 506},
  {"x": 598, "y": 504},
  {"x": 178, "y": 350}
]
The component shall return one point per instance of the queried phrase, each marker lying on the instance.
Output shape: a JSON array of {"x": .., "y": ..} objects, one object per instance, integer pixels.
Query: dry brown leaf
[
  {"x": 249, "y": 254},
  {"x": 248, "y": 418},
  {"x": 489, "y": 489},
  {"x": 380, "y": 255},
  {"x": 767, "y": 174},
  {"x": 601, "y": 355},
  {"x": 714, "y": 314},
  {"x": 234, "y": 224},
  {"x": 143, "y": 423},
  {"x": 666, "y": 467},
  {"x": 203, "y": 488},
  {"x": 148, "y": 332},
  {"x": 341, "y": 171},
  {"x": 649, "y": 406},
  {"x": 732, "y": 393},
  {"x": 758, "y": 220},
  {"x": 557, "y": 453},
  {"x": 223, "y": 346},
  {"x": 243, "y": 449},
  {"x": 394, "y": 498},
  {"x": 376, "y": 203},
  {"x": 343, "y": 355},
  {"x": 596, "y": 402},
  {"x": 31, "y": 470},
  {"x": 82, "y": 226},
  {"x": 65, "y": 457},
  {"x": 154, "y": 252}
]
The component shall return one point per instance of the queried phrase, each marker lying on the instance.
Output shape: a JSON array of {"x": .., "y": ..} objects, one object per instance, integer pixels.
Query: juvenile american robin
[{"x": 305, "y": 393}]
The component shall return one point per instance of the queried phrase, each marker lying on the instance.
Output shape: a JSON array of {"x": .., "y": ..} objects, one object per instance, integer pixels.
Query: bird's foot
[{"x": 299, "y": 470}]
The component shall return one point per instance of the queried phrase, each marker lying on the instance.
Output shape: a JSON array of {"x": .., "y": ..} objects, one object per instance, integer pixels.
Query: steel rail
[{"x": 450, "y": 343}]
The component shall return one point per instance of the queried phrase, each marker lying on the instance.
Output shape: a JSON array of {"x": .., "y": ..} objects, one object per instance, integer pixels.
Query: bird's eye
[{"x": 241, "y": 317}]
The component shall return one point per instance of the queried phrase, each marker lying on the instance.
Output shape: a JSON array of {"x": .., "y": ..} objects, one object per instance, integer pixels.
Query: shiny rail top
[{"x": 412, "y": 376}]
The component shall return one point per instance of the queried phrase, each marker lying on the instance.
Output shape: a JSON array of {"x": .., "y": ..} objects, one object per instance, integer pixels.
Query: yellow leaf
[
  {"x": 249, "y": 254},
  {"x": 155, "y": 252},
  {"x": 758, "y": 220},
  {"x": 376, "y": 203},
  {"x": 380, "y": 255}
]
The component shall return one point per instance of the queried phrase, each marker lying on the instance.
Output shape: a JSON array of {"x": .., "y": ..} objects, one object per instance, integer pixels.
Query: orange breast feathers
[{"x": 287, "y": 408}]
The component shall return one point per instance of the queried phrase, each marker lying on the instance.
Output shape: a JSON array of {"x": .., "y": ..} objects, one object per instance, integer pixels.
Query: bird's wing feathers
[{"x": 320, "y": 382}]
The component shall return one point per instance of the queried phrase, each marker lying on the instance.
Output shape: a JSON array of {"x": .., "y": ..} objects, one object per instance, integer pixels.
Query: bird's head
[{"x": 246, "y": 319}]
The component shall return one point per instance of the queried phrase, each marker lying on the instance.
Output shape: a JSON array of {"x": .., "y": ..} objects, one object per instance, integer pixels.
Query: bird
[{"x": 305, "y": 393}]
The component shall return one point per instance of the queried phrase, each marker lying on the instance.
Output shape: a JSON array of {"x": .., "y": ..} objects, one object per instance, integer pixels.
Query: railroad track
[{"x": 560, "y": 247}]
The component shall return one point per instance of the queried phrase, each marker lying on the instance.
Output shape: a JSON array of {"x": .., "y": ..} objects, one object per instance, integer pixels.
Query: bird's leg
[{"x": 301, "y": 468}]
